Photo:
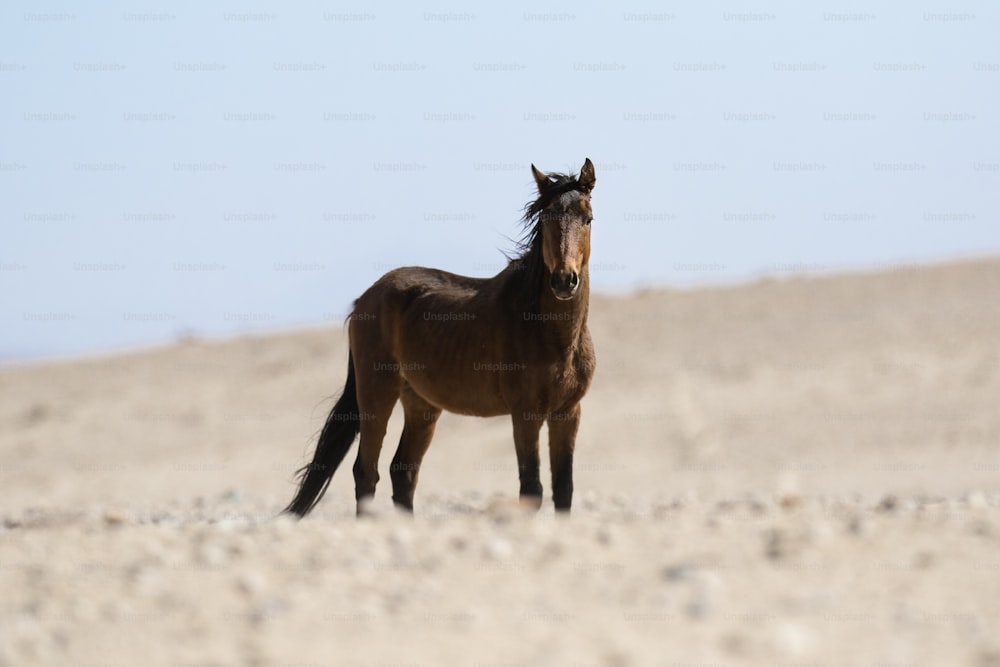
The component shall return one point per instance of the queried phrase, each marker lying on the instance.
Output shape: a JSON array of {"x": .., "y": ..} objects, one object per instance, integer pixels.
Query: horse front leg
[
  {"x": 526, "y": 428},
  {"x": 562, "y": 441}
]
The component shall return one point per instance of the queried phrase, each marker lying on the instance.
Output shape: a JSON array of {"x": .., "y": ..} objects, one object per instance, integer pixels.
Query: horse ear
[
  {"x": 543, "y": 181},
  {"x": 587, "y": 179}
]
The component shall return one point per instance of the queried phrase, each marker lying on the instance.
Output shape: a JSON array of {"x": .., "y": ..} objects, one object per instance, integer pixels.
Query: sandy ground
[{"x": 798, "y": 472}]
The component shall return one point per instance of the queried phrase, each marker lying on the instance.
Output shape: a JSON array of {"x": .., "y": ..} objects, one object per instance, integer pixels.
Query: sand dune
[{"x": 803, "y": 471}]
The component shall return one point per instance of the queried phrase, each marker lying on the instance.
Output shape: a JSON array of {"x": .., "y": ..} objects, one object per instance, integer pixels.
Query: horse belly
[
  {"x": 456, "y": 389},
  {"x": 446, "y": 346}
]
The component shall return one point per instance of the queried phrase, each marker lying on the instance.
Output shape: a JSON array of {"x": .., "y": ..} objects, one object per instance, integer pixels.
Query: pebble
[
  {"x": 704, "y": 595},
  {"x": 498, "y": 549},
  {"x": 793, "y": 639},
  {"x": 775, "y": 543},
  {"x": 889, "y": 503},
  {"x": 790, "y": 501},
  {"x": 251, "y": 583},
  {"x": 678, "y": 572},
  {"x": 977, "y": 500},
  {"x": 211, "y": 554},
  {"x": 115, "y": 517}
]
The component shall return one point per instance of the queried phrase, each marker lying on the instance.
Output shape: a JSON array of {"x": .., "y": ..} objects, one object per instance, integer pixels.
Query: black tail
[{"x": 341, "y": 428}]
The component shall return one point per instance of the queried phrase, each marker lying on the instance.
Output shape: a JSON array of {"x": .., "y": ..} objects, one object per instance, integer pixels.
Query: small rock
[
  {"x": 211, "y": 554},
  {"x": 36, "y": 414},
  {"x": 734, "y": 643},
  {"x": 982, "y": 528},
  {"x": 889, "y": 503},
  {"x": 790, "y": 501},
  {"x": 498, "y": 549},
  {"x": 775, "y": 544},
  {"x": 793, "y": 639},
  {"x": 756, "y": 505},
  {"x": 704, "y": 595},
  {"x": 554, "y": 548},
  {"x": 251, "y": 583},
  {"x": 230, "y": 496},
  {"x": 115, "y": 517},
  {"x": 977, "y": 500},
  {"x": 678, "y": 572}
]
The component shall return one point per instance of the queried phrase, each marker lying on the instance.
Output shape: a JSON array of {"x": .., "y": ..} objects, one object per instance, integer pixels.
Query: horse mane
[{"x": 528, "y": 263}]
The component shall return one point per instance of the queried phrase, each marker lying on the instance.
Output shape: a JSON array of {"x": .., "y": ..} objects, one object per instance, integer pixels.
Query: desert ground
[{"x": 801, "y": 471}]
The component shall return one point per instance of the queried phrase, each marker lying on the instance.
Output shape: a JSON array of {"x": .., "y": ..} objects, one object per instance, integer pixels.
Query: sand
[{"x": 793, "y": 472}]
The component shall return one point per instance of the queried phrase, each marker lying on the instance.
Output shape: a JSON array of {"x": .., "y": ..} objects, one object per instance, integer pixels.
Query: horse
[{"x": 515, "y": 344}]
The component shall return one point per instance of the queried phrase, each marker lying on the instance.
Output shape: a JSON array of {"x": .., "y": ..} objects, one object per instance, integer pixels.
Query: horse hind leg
[
  {"x": 378, "y": 391},
  {"x": 420, "y": 418}
]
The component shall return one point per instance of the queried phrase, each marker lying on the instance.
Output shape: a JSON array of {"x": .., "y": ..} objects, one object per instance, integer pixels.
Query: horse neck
[{"x": 567, "y": 319}]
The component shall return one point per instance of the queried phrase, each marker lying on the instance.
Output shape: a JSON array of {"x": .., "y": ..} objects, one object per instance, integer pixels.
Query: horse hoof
[{"x": 533, "y": 503}]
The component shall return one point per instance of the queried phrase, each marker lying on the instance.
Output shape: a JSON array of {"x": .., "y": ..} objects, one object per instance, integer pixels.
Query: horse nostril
[{"x": 565, "y": 281}]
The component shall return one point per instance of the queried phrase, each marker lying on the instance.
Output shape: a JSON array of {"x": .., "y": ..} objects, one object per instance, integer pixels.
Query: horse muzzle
[{"x": 564, "y": 284}]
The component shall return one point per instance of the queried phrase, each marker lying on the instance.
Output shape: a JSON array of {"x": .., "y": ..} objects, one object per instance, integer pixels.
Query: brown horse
[{"x": 515, "y": 344}]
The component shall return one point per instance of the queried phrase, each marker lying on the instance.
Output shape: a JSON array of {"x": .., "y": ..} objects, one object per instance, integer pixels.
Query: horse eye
[{"x": 588, "y": 220}]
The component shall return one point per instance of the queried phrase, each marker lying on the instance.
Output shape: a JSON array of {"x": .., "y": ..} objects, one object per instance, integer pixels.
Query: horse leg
[
  {"x": 377, "y": 394},
  {"x": 526, "y": 443},
  {"x": 418, "y": 429},
  {"x": 562, "y": 440}
]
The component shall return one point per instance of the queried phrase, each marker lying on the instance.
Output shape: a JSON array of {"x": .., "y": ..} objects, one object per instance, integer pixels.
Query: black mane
[{"x": 529, "y": 262}]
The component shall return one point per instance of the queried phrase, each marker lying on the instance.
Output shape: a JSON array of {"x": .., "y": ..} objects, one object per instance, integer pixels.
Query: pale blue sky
[{"x": 220, "y": 168}]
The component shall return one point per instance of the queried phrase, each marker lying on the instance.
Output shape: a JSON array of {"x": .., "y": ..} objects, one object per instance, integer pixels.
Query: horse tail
[{"x": 341, "y": 428}]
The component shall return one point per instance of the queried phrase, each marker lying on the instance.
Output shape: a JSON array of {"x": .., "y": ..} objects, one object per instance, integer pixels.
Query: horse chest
[{"x": 569, "y": 381}]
